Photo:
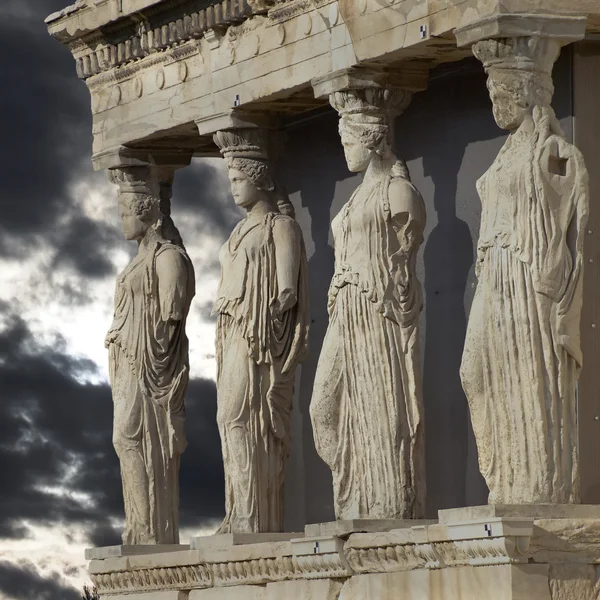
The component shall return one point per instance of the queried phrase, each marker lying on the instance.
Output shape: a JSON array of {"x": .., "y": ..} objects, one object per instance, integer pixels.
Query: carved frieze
[
  {"x": 480, "y": 552},
  {"x": 284, "y": 11},
  {"x": 223, "y": 574},
  {"x": 437, "y": 555},
  {"x": 385, "y": 559},
  {"x": 101, "y": 52},
  {"x": 254, "y": 572},
  {"x": 328, "y": 565},
  {"x": 124, "y": 582},
  {"x": 320, "y": 566}
]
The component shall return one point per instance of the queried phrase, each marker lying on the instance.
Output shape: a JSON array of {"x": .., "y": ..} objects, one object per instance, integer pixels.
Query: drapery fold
[
  {"x": 258, "y": 350},
  {"x": 367, "y": 408},
  {"x": 522, "y": 352},
  {"x": 149, "y": 373}
]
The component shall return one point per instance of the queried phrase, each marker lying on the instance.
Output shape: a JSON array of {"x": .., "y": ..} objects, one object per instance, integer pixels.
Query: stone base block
[
  {"x": 346, "y": 527},
  {"x": 242, "y": 592},
  {"x": 301, "y": 589},
  {"x": 171, "y": 595},
  {"x": 505, "y": 582},
  {"x": 119, "y": 551},
  {"x": 574, "y": 582},
  {"x": 226, "y": 540},
  {"x": 477, "y": 554},
  {"x": 318, "y": 589},
  {"x": 528, "y": 511}
]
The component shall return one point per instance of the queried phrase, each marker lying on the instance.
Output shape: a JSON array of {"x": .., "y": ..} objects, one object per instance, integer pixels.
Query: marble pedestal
[{"x": 492, "y": 552}]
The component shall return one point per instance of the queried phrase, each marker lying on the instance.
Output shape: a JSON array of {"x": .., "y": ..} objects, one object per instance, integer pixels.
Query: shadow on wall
[
  {"x": 435, "y": 132},
  {"x": 311, "y": 169}
]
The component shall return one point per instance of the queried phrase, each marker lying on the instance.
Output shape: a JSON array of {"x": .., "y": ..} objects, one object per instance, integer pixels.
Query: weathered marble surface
[
  {"x": 148, "y": 357},
  {"x": 506, "y": 582},
  {"x": 522, "y": 353},
  {"x": 530, "y": 511},
  {"x": 346, "y": 527},
  {"x": 262, "y": 335},
  {"x": 367, "y": 406},
  {"x": 188, "y": 61},
  {"x": 227, "y": 540},
  {"x": 170, "y": 595},
  {"x": 120, "y": 551},
  {"x": 324, "y": 589},
  {"x": 501, "y": 558}
]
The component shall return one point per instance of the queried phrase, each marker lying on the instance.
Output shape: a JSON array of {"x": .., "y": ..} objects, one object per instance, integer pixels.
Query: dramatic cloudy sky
[{"x": 60, "y": 249}]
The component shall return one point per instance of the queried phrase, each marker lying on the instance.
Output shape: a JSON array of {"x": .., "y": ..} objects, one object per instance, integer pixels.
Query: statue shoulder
[
  {"x": 171, "y": 259},
  {"x": 285, "y": 226},
  {"x": 405, "y": 198}
]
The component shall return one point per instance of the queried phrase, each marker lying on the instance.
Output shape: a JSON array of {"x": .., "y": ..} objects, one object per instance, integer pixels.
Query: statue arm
[
  {"x": 172, "y": 274},
  {"x": 407, "y": 211},
  {"x": 288, "y": 242}
]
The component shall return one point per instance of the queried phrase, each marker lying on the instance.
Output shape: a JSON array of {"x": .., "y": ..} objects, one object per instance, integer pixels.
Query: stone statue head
[
  {"x": 250, "y": 180},
  {"x": 519, "y": 76},
  {"x": 145, "y": 203},
  {"x": 246, "y": 152},
  {"x": 367, "y": 121}
]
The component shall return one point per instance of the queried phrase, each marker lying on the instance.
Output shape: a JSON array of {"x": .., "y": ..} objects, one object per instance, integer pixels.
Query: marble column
[
  {"x": 262, "y": 332},
  {"x": 148, "y": 354},
  {"x": 522, "y": 353},
  {"x": 367, "y": 403}
]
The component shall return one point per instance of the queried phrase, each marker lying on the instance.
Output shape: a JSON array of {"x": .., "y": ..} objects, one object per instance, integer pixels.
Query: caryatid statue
[
  {"x": 148, "y": 357},
  {"x": 262, "y": 334},
  {"x": 367, "y": 405},
  {"x": 522, "y": 353}
]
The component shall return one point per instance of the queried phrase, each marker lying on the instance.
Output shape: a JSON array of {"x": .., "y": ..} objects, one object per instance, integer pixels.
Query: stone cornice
[
  {"x": 123, "y": 156},
  {"x": 563, "y": 28},
  {"x": 144, "y": 34},
  {"x": 284, "y": 11},
  {"x": 156, "y": 72},
  {"x": 412, "y": 77},
  {"x": 126, "y": 72},
  {"x": 237, "y": 119}
]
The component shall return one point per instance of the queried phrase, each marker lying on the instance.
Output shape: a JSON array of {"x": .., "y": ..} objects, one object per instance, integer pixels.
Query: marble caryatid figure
[
  {"x": 522, "y": 353},
  {"x": 148, "y": 358},
  {"x": 262, "y": 334},
  {"x": 367, "y": 408}
]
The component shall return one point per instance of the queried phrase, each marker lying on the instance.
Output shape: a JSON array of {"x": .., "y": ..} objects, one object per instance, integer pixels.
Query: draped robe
[
  {"x": 257, "y": 355},
  {"x": 367, "y": 408},
  {"x": 522, "y": 353},
  {"x": 149, "y": 372}
]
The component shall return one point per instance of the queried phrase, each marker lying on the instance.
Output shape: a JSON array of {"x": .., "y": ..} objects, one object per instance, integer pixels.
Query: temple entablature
[{"x": 154, "y": 69}]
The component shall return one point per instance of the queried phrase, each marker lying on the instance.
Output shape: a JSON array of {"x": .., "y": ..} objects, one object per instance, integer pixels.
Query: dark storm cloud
[
  {"x": 46, "y": 147},
  {"x": 22, "y": 581},
  {"x": 50, "y": 421},
  {"x": 204, "y": 190},
  {"x": 46, "y": 120},
  {"x": 204, "y": 310},
  {"x": 85, "y": 246}
]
